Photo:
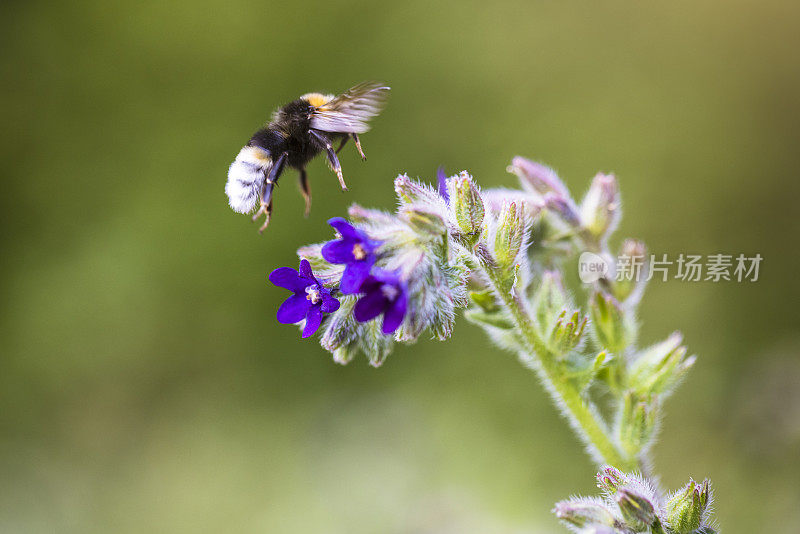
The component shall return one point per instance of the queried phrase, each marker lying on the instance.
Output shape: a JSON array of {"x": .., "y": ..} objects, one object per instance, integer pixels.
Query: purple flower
[
  {"x": 441, "y": 178},
  {"x": 310, "y": 300},
  {"x": 384, "y": 293},
  {"x": 355, "y": 250}
]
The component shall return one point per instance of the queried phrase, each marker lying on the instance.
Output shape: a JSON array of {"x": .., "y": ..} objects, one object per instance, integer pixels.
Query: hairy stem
[{"x": 581, "y": 413}]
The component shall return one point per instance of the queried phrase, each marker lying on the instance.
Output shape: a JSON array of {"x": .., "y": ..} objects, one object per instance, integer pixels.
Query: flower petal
[
  {"x": 387, "y": 277},
  {"x": 347, "y": 230},
  {"x": 313, "y": 320},
  {"x": 293, "y": 309},
  {"x": 370, "y": 284},
  {"x": 395, "y": 314},
  {"x": 287, "y": 278},
  {"x": 369, "y": 306},
  {"x": 339, "y": 251},
  {"x": 354, "y": 275},
  {"x": 329, "y": 304},
  {"x": 305, "y": 270},
  {"x": 441, "y": 178}
]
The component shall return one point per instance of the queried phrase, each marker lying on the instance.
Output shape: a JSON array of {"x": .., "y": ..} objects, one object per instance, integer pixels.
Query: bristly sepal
[
  {"x": 657, "y": 370},
  {"x": 579, "y": 513},
  {"x": 688, "y": 508},
  {"x": 630, "y": 504},
  {"x": 467, "y": 210},
  {"x": 611, "y": 327}
]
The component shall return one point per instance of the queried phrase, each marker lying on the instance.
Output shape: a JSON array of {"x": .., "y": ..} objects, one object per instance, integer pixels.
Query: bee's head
[{"x": 296, "y": 116}]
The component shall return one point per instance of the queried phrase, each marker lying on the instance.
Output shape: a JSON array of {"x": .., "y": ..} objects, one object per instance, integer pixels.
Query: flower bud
[
  {"x": 468, "y": 207},
  {"x": 610, "y": 326},
  {"x": 537, "y": 178},
  {"x": 410, "y": 191},
  {"x": 563, "y": 208},
  {"x": 687, "y": 507},
  {"x": 600, "y": 211},
  {"x": 424, "y": 222},
  {"x": 637, "y": 422},
  {"x": 658, "y": 369},
  {"x": 510, "y": 234},
  {"x": 584, "y": 512},
  {"x": 566, "y": 334},
  {"x": 549, "y": 300},
  {"x": 631, "y": 505},
  {"x": 609, "y": 479},
  {"x": 637, "y": 510}
]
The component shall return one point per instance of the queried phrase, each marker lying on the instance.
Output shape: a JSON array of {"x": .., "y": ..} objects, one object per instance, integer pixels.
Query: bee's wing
[{"x": 350, "y": 111}]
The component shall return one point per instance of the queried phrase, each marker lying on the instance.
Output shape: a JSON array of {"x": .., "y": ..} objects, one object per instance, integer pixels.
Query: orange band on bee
[{"x": 316, "y": 99}]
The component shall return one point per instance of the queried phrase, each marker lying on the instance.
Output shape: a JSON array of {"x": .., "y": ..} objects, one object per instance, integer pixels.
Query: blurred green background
[{"x": 144, "y": 383}]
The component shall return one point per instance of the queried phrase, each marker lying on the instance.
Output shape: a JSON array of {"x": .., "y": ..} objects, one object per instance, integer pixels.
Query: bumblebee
[{"x": 298, "y": 132}]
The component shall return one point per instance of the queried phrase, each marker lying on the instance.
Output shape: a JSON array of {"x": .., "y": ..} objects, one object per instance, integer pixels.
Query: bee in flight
[{"x": 297, "y": 133}]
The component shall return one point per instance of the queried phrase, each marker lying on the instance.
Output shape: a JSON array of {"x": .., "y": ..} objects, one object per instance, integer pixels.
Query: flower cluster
[
  {"x": 500, "y": 255},
  {"x": 630, "y": 504},
  {"x": 382, "y": 292},
  {"x": 396, "y": 266}
]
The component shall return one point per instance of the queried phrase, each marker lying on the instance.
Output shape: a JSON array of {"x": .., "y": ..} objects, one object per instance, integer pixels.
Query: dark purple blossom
[
  {"x": 355, "y": 250},
  {"x": 310, "y": 300},
  {"x": 384, "y": 293},
  {"x": 441, "y": 178}
]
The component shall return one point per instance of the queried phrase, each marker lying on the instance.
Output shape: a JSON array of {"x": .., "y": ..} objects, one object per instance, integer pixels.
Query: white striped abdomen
[{"x": 246, "y": 178}]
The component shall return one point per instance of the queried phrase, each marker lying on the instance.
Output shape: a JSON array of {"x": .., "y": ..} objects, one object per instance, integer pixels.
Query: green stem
[{"x": 581, "y": 413}]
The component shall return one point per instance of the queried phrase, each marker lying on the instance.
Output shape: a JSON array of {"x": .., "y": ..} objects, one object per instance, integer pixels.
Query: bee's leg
[
  {"x": 344, "y": 142},
  {"x": 332, "y": 159},
  {"x": 358, "y": 146},
  {"x": 266, "y": 207},
  {"x": 266, "y": 192},
  {"x": 305, "y": 188},
  {"x": 276, "y": 169}
]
